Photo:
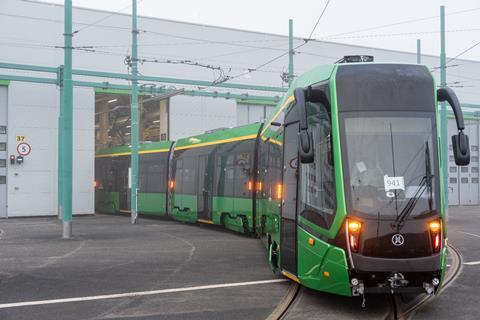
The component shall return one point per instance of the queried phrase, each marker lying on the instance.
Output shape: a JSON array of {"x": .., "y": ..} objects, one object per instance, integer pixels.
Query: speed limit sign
[{"x": 24, "y": 149}]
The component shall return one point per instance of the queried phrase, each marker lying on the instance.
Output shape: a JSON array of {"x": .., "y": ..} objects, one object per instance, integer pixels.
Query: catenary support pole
[
  {"x": 59, "y": 148},
  {"x": 134, "y": 119},
  {"x": 290, "y": 52},
  {"x": 443, "y": 114},
  {"x": 419, "y": 51},
  {"x": 67, "y": 128}
]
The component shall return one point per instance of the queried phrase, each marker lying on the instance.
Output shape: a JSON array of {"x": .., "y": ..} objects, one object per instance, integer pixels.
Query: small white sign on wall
[{"x": 129, "y": 178}]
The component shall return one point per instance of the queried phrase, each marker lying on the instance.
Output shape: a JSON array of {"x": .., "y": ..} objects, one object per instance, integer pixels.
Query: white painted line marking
[
  {"x": 472, "y": 263},
  {"x": 136, "y": 294},
  {"x": 471, "y": 234}
]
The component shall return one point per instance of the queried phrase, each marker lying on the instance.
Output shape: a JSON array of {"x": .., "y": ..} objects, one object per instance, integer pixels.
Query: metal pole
[
  {"x": 444, "y": 128},
  {"x": 290, "y": 52},
  {"x": 67, "y": 128},
  {"x": 134, "y": 119},
  {"x": 59, "y": 147},
  {"x": 419, "y": 51}
]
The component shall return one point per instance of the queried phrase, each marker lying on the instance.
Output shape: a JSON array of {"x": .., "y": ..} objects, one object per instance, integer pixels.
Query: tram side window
[
  {"x": 177, "y": 174},
  {"x": 274, "y": 166},
  {"x": 113, "y": 177},
  {"x": 242, "y": 174},
  {"x": 152, "y": 174},
  {"x": 224, "y": 178},
  {"x": 317, "y": 187},
  {"x": 188, "y": 176},
  {"x": 262, "y": 167}
]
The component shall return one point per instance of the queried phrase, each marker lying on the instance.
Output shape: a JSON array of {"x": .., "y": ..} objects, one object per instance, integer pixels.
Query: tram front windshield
[{"x": 389, "y": 164}]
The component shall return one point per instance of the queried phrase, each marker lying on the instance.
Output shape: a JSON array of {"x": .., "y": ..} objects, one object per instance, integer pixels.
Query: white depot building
[{"x": 31, "y": 33}]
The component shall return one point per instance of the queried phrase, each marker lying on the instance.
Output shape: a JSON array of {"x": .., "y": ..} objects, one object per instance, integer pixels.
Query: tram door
[
  {"x": 288, "y": 236},
  {"x": 203, "y": 189}
]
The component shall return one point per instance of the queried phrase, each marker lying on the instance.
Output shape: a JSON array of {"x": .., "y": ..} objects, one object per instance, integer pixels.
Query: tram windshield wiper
[{"x": 425, "y": 184}]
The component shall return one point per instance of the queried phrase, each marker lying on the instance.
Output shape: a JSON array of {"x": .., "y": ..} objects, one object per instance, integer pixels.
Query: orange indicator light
[
  {"x": 250, "y": 185},
  {"x": 354, "y": 226},
  {"x": 172, "y": 184},
  {"x": 259, "y": 186},
  {"x": 279, "y": 191},
  {"x": 311, "y": 241},
  {"x": 326, "y": 274},
  {"x": 434, "y": 226},
  {"x": 94, "y": 183}
]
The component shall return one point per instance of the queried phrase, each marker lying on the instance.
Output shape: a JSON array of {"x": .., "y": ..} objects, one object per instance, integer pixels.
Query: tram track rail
[
  {"x": 402, "y": 311},
  {"x": 399, "y": 310},
  {"x": 285, "y": 304}
]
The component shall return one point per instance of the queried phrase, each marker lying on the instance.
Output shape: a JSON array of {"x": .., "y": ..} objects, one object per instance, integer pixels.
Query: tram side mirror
[
  {"x": 305, "y": 138},
  {"x": 305, "y": 147},
  {"x": 461, "y": 148}
]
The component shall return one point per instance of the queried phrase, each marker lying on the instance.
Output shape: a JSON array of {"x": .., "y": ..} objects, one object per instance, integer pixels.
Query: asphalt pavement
[
  {"x": 169, "y": 263},
  {"x": 108, "y": 255}
]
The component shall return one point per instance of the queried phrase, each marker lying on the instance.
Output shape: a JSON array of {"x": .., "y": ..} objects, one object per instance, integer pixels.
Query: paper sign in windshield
[{"x": 393, "y": 183}]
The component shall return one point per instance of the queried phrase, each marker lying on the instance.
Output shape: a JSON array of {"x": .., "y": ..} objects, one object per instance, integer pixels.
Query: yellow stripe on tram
[
  {"x": 118, "y": 154},
  {"x": 251, "y": 136}
]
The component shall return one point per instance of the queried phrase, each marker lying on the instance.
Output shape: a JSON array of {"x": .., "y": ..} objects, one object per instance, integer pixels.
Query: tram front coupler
[{"x": 397, "y": 280}]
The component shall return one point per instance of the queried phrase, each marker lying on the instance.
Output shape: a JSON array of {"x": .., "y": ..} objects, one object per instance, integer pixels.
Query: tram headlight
[
  {"x": 354, "y": 228},
  {"x": 435, "y": 228}
]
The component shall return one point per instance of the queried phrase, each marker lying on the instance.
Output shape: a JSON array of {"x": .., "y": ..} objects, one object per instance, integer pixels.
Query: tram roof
[{"x": 217, "y": 137}]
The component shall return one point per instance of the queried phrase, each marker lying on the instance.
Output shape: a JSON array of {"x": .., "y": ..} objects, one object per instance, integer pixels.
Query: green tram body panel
[{"x": 235, "y": 178}]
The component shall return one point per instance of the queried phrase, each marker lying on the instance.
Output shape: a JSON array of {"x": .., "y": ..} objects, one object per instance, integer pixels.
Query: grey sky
[{"x": 341, "y": 16}]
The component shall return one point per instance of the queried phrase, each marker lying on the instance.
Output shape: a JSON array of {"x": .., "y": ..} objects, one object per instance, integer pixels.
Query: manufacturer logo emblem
[{"x": 398, "y": 239}]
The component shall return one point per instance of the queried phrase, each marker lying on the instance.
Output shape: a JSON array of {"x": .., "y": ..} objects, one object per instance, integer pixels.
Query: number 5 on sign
[
  {"x": 21, "y": 138},
  {"x": 24, "y": 149}
]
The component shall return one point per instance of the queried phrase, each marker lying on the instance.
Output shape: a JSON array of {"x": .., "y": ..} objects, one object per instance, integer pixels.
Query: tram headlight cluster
[
  {"x": 435, "y": 228},
  {"x": 354, "y": 228}
]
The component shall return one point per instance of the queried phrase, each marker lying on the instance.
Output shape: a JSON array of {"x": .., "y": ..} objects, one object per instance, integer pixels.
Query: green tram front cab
[{"x": 360, "y": 205}]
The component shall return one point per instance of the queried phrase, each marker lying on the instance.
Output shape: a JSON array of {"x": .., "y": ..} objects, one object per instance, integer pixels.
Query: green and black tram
[{"x": 343, "y": 181}]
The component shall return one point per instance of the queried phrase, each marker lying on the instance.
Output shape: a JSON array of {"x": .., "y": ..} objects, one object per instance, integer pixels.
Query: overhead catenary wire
[
  {"x": 403, "y": 22},
  {"x": 106, "y": 17},
  {"x": 417, "y": 33},
  {"x": 206, "y": 41},
  {"x": 283, "y": 54},
  {"x": 238, "y": 43},
  {"x": 457, "y": 56},
  {"x": 318, "y": 20}
]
